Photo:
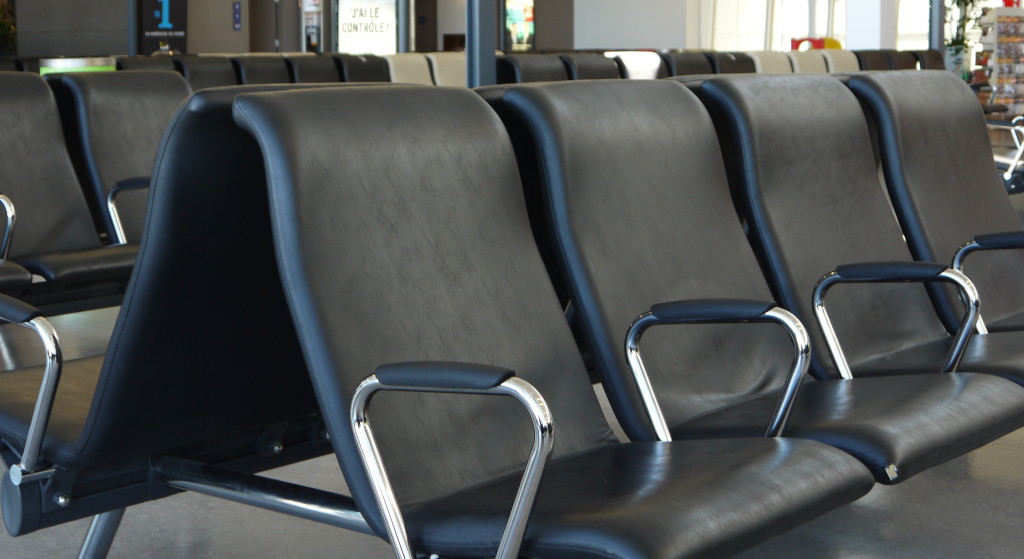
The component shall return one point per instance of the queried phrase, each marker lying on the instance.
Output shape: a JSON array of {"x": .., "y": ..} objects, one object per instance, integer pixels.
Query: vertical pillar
[
  {"x": 871, "y": 24},
  {"x": 403, "y": 26},
  {"x": 936, "y": 25},
  {"x": 481, "y": 42}
]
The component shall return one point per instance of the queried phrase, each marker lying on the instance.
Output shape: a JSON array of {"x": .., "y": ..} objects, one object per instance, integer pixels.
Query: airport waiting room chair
[
  {"x": 590, "y": 66},
  {"x": 874, "y": 59},
  {"x": 362, "y": 67},
  {"x": 523, "y": 68},
  {"x": 206, "y": 71},
  {"x": 409, "y": 67},
  {"x": 260, "y": 69},
  {"x": 930, "y": 59},
  {"x": 669, "y": 250},
  {"x": 113, "y": 123},
  {"x": 731, "y": 62},
  {"x": 902, "y": 59},
  {"x": 945, "y": 193},
  {"x": 808, "y": 61},
  {"x": 771, "y": 62},
  {"x": 10, "y": 64},
  {"x": 381, "y": 310},
  {"x": 639, "y": 65},
  {"x": 809, "y": 237},
  {"x": 312, "y": 69},
  {"x": 839, "y": 60},
  {"x": 687, "y": 63},
  {"x": 143, "y": 62},
  {"x": 448, "y": 68},
  {"x": 173, "y": 403},
  {"x": 54, "y": 236}
]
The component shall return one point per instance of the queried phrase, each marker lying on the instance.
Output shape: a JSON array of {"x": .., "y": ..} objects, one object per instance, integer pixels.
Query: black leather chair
[
  {"x": 902, "y": 59},
  {"x": 261, "y": 68},
  {"x": 874, "y": 59},
  {"x": 206, "y": 71},
  {"x": 312, "y": 69},
  {"x": 930, "y": 59},
  {"x": 810, "y": 216},
  {"x": 522, "y": 68},
  {"x": 668, "y": 240},
  {"x": 687, "y": 63},
  {"x": 113, "y": 122},
  {"x": 382, "y": 304},
  {"x": 143, "y": 62},
  {"x": 54, "y": 236},
  {"x": 175, "y": 403},
  {"x": 731, "y": 62},
  {"x": 362, "y": 67},
  {"x": 10, "y": 64},
  {"x": 590, "y": 66},
  {"x": 938, "y": 169}
]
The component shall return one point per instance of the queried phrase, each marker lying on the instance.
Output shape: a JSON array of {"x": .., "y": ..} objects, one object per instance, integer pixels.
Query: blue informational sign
[
  {"x": 236, "y": 15},
  {"x": 162, "y": 25}
]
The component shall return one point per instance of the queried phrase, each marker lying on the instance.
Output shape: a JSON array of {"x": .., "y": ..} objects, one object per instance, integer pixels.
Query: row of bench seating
[{"x": 396, "y": 240}]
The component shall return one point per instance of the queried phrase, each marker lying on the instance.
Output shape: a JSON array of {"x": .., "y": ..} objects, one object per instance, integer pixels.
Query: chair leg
[{"x": 101, "y": 535}]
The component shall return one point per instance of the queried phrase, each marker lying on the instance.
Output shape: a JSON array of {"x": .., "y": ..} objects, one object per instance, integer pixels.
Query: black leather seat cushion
[
  {"x": 362, "y": 67},
  {"x": 912, "y": 421},
  {"x": 873, "y": 59},
  {"x": 143, "y": 62},
  {"x": 523, "y": 68},
  {"x": 731, "y": 62},
  {"x": 83, "y": 266},
  {"x": 206, "y": 71},
  {"x": 930, "y": 59},
  {"x": 902, "y": 60},
  {"x": 589, "y": 66},
  {"x": 653, "y": 500},
  {"x": 313, "y": 69},
  {"x": 259, "y": 69},
  {"x": 13, "y": 278},
  {"x": 687, "y": 63}
]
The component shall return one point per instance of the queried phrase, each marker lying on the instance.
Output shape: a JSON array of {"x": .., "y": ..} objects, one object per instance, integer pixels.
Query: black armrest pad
[
  {"x": 14, "y": 310},
  {"x": 442, "y": 374},
  {"x": 711, "y": 309},
  {"x": 891, "y": 271},
  {"x": 134, "y": 183},
  {"x": 1009, "y": 239}
]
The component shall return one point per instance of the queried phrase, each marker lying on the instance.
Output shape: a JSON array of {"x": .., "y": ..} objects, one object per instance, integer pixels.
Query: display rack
[{"x": 1003, "y": 44}]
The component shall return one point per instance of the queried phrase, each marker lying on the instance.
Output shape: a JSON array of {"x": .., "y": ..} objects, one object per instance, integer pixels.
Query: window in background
[
  {"x": 912, "y": 25},
  {"x": 739, "y": 25},
  {"x": 791, "y": 20}
]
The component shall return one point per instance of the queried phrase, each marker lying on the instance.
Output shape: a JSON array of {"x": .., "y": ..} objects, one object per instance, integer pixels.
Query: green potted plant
[{"x": 961, "y": 16}]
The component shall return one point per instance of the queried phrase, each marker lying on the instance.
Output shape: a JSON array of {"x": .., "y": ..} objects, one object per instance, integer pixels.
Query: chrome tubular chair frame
[
  {"x": 25, "y": 470},
  {"x": 519, "y": 389},
  {"x": 11, "y": 218},
  {"x": 801, "y": 361},
  {"x": 949, "y": 275}
]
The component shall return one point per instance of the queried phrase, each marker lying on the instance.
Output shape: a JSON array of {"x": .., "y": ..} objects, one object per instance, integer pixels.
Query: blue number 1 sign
[{"x": 165, "y": 12}]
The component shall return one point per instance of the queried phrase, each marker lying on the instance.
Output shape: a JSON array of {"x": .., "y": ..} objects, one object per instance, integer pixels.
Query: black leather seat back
[
  {"x": 9, "y": 64},
  {"x": 206, "y": 71},
  {"x": 813, "y": 200},
  {"x": 204, "y": 346},
  {"x": 312, "y": 69},
  {"x": 522, "y": 68},
  {"x": 113, "y": 123},
  {"x": 37, "y": 173},
  {"x": 687, "y": 63},
  {"x": 874, "y": 59},
  {"x": 257, "y": 69},
  {"x": 902, "y": 60},
  {"x": 731, "y": 62},
  {"x": 430, "y": 260},
  {"x": 143, "y": 62},
  {"x": 638, "y": 220},
  {"x": 930, "y": 59},
  {"x": 590, "y": 66},
  {"x": 938, "y": 168},
  {"x": 362, "y": 67}
]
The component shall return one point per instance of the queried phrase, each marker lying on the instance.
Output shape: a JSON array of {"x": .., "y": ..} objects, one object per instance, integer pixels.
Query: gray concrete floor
[{"x": 971, "y": 507}]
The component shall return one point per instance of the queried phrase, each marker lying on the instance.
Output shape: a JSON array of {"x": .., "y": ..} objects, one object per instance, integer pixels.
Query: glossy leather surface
[
  {"x": 206, "y": 71},
  {"x": 588, "y": 66},
  {"x": 37, "y": 172},
  {"x": 686, "y": 63},
  {"x": 459, "y": 297},
  {"x": 144, "y": 63},
  {"x": 523, "y": 68},
  {"x": 260, "y": 69},
  {"x": 902, "y": 60},
  {"x": 13, "y": 278},
  {"x": 731, "y": 62},
  {"x": 409, "y": 67},
  {"x": 938, "y": 169},
  {"x": 113, "y": 123},
  {"x": 362, "y": 68},
  {"x": 873, "y": 59},
  {"x": 312, "y": 69},
  {"x": 652, "y": 500},
  {"x": 930, "y": 59},
  {"x": 808, "y": 62},
  {"x": 440, "y": 374},
  {"x": 83, "y": 266},
  {"x": 911, "y": 421}
]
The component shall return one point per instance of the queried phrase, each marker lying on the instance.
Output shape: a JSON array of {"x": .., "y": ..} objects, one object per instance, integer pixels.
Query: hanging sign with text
[
  {"x": 367, "y": 26},
  {"x": 162, "y": 25}
]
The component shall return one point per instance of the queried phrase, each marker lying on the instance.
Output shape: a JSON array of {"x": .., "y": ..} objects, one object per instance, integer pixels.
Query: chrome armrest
[
  {"x": 717, "y": 311},
  {"x": 991, "y": 241},
  {"x": 885, "y": 272},
  {"x": 15, "y": 311},
  {"x": 137, "y": 183},
  {"x": 5, "y": 241},
  {"x": 460, "y": 383}
]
